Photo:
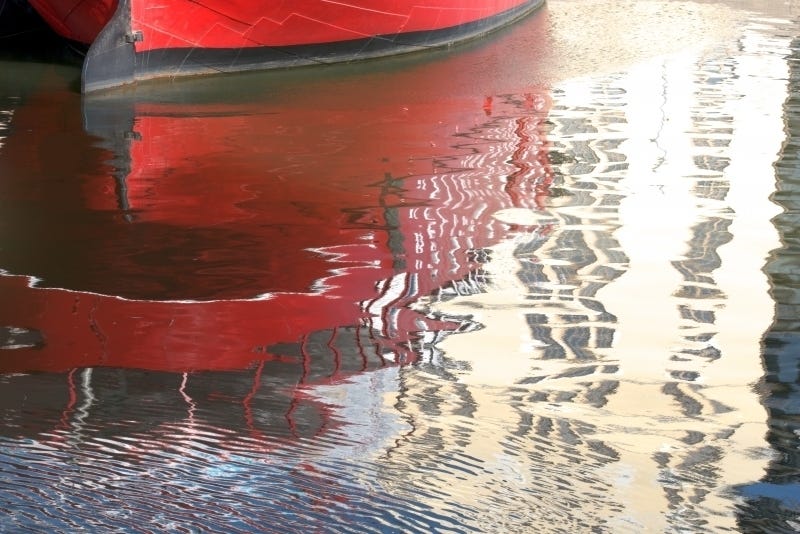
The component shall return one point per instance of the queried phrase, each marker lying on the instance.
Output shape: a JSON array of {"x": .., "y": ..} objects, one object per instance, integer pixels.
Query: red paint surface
[
  {"x": 241, "y": 24},
  {"x": 79, "y": 20}
]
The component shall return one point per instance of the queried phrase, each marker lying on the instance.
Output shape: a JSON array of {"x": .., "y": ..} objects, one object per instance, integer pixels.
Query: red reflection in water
[{"x": 197, "y": 235}]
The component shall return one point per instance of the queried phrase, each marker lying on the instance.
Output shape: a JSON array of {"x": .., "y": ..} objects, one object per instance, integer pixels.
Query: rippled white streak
[
  {"x": 687, "y": 143},
  {"x": 748, "y": 310},
  {"x": 659, "y": 215},
  {"x": 5, "y": 120}
]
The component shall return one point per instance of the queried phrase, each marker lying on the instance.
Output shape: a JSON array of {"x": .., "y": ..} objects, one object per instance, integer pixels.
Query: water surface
[{"x": 540, "y": 283}]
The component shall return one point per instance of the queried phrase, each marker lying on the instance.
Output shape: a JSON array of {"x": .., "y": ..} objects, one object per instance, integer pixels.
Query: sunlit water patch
[{"x": 632, "y": 329}]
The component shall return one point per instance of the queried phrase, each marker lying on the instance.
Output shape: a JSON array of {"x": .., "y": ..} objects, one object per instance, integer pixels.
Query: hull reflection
[
  {"x": 182, "y": 277},
  {"x": 198, "y": 234}
]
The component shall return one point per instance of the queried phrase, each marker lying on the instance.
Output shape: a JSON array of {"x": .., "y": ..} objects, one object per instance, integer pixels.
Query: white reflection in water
[
  {"x": 5, "y": 120},
  {"x": 625, "y": 322}
]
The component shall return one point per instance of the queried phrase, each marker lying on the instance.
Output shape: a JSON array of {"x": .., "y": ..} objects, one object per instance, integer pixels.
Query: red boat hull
[
  {"x": 137, "y": 40},
  {"x": 77, "y": 20}
]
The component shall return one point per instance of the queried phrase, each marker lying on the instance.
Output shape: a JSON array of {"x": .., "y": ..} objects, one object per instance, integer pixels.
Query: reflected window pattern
[{"x": 642, "y": 337}]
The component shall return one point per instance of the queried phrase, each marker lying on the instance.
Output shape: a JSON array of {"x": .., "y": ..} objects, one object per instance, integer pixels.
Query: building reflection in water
[
  {"x": 615, "y": 380},
  {"x": 774, "y": 500}
]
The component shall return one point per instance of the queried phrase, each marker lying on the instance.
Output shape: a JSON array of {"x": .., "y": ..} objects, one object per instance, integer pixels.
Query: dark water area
[
  {"x": 544, "y": 282},
  {"x": 24, "y": 36}
]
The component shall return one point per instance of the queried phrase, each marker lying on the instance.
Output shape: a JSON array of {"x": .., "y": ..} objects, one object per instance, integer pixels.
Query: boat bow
[{"x": 111, "y": 60}]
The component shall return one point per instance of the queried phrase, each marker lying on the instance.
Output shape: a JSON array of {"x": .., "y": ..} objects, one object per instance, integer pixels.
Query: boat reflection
[
  {"x": 184, "y": 268},
  {"x": 182, "y": 229}
]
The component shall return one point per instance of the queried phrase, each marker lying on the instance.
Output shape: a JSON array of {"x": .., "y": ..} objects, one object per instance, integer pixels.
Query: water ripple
[{"x": 563, "y": 335}]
